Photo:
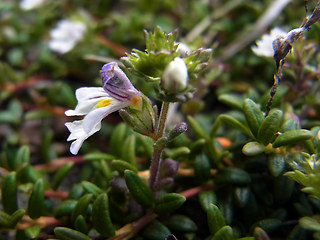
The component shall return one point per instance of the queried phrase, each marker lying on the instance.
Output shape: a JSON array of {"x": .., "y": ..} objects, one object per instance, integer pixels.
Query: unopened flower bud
[
  {"x": 177, "y": 130},
  {"x": 175, "y": 76},
  {"x": 116, "y": 83}
]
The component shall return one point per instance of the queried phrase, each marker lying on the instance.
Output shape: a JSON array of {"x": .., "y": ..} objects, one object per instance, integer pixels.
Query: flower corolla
[
  {"x": 30, "y": 4},
  {"x": 95, "y": 103},
  {"x": 264, "y": 47},
  {"x": 66, "y": 35}
]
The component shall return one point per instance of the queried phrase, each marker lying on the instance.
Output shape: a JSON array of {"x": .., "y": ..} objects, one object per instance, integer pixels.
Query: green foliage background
[{"x": 241, "y": 175}]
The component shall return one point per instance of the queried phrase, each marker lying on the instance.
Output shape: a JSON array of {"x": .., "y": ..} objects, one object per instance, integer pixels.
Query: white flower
[
  {"x": 95, "y": 104},
  {"x": 30, "y": 4},
  {"x": 65, "y": 36},
  {"x": 265, "y": 45},
  {"x": 175, "y": 76}
]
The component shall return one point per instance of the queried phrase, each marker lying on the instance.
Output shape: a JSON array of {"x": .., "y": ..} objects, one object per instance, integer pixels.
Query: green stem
[{"x": 156, "y": 158}]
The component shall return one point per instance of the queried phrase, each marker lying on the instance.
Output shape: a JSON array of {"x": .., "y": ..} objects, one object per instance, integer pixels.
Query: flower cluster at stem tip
[{"x": 95, "y": 103}]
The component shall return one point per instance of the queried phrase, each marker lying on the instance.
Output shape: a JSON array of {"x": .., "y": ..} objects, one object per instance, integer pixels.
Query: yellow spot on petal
[
  {"x": 103, "y": 103},
  {"x": 136, "y": 102}
]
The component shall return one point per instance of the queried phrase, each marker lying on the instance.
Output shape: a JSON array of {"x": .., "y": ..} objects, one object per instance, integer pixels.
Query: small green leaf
[
  {"x": 253, "y": 114},
  {"x": 276, "y": 164},
  {"x": 269, "y": 224},
  {"x": 91, "y": 188},
  {"x": 35, "y": 204},
  {"x": 32, "y": 232},
  {"x": 242, "y": 195},
  {"x": 16, "y": 216},
  {"x": 82, "y": 206},
  {"x": 224, "y": 233},
  {"x": 253, "y": 148},
  {"x": 23, "y": 156},
  {"x": 177, "y": 152},
  {"x": 117, "y": 139},
  {"x": 9, "y": 193},
  {"x": 155, "y": 231},
  {"x": 310, "y": 223},
  {"x": 292, "y": 137},
  {"x": 270, "y": 126},
  {"x": 206, "y": 198},
  {"x": 232, "y": 122},
  {"x": 138, "y": 189},
  {"x": 231, "y": 100},
  {"x": 215, "y": 219},
  {"x": 181, "y": 223},
  {"x": 61, "y": 174},
  {"x": 63, "y": 233},
  {"x": 229, "y": 175},
  {"x": 196, "y": 128},
  {"x": 129, "y": 155},
  {"x": 98, "y": 157},
  {"x": 81, "y": 225},
  {"x": 65, "y": 208},
  {"x": 101, "y": 216},
  {"x": 121, "y": 166},
  {"x": 168, "y": 203},
  {"x": 5, "y": 220},
  {"x": 202, "y": 167}
]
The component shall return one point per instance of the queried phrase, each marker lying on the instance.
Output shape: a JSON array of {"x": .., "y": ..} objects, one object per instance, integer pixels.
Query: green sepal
[
  {"x": 129, "y": 155},
  {"x": 101, "y": 216},
  {"x": 121, "y": 166},
  {"x": 139, "y": 189},
  {"x": 155, "y": 231},
  {"x": 229, "y": 175},
  {"x": 215, "y": 219},
  {"x": 82, "y": 206},
  {"x": 254, "y": 116},
  {"x": 168, "y": 203},
  {"x": 65, "y": 208},
  {"x": 98, "y": 157},
  {"x": 63, "y": 233},
  {"x": 81, "y": 225},
  {"x": 253, "y": 148},
  {"x": 91, "y": 188},
  {"x": 9, "y": 193},
  {"x": 181, "y": 223},
  {"x": 224, "y": 233},
  {"x": 61, "y": 174},
  {"x": 16, "y": 216},
  {"x": 141, "y": 120},
  {"x": 35, "y": 204},
  {"x": 292, "y": 137},
  {"x": 276, "y": 164},
  {"x": 270, "y": 126},
  {"x": 206, "y": 198}
]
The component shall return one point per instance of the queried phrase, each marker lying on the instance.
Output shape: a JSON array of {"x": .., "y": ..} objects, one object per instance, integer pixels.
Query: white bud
[
  {"x": 183, "y": 49},
  {"x": 175, "y": 76}
]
